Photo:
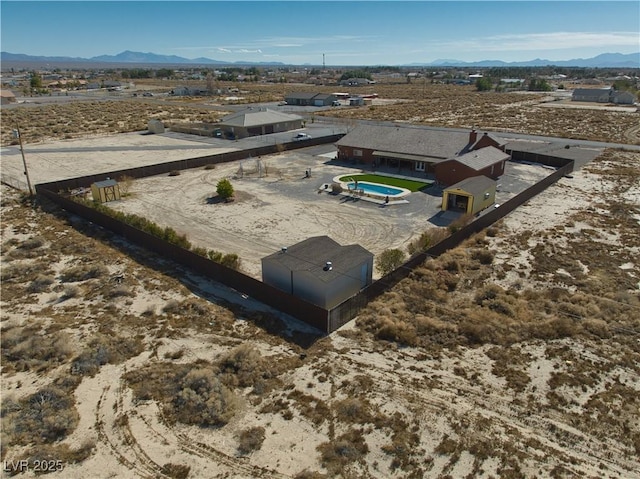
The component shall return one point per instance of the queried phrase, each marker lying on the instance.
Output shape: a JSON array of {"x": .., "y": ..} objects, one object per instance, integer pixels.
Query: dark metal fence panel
[{"x": 292, "y": 305}]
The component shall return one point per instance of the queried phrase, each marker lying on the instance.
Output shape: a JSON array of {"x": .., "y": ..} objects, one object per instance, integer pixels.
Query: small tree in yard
[
  {"x": 224, "y": 189},
  {"x": 389, "y": 260}
]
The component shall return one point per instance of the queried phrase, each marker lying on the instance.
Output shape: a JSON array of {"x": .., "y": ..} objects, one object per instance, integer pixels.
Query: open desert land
[{"x": 513, "y": 355}]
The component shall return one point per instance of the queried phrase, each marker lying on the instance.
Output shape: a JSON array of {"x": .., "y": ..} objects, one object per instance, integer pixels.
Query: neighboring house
[
  {"x": 189, "y": 91},
  {"x": 420, "y": 150},
  {"x": 258, "y": 121},
  {"x": 623, "y": 98},
  {"x": 470, "y": 196},
  {"x": 488, "y": 161},
  {"x": 104, "y": 191},
  {"x": 310, "y": 99},
  {"x": 319, "y": 270},
  {"x": 603, "y": 95},
  {"x": 7, "y": 96},
  {"x": 356, "y": 82}
]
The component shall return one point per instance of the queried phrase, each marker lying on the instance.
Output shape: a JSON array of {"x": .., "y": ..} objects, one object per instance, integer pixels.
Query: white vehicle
[{"x": 301, "y": 136}]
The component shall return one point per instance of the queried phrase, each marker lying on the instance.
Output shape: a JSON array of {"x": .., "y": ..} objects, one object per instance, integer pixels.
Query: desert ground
[{"x": 514, "y": 355}]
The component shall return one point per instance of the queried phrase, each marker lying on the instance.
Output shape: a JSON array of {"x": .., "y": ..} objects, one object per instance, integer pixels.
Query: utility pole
[{"x": 16, "y": 134}]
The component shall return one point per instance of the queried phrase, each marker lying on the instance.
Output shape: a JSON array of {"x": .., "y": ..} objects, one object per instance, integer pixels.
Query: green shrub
[
  {"x": 389, "y": 260},
  {"x": 224, "y": 188}
]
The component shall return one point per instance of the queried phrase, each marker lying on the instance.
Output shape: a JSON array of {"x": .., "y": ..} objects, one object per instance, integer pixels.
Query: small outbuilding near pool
[
  {"x": 470, "y": 196},
  {"x": 319, "y": 270}
]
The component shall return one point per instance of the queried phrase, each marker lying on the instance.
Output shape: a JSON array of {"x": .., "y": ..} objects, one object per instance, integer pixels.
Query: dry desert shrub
[
  {"x": 203, "y": 400},
  {"x": 310, "y": 407},
  {"x": 105, "y": 349},
  {"x": 41, "y": 418},
  {"x": 83, "y": 272},
  {"x": 40, "y": 284},
  {"x": 353, "y": 410},
  {"x": 344, "y": 450},
  {"x": 28, "y": 349},
  {"x": 251, "y": 439},
  {"x": 176, "y": 471},
  {"x": 244, "y": 367}
]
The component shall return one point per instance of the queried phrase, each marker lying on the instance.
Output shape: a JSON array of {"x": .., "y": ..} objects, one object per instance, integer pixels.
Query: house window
[
  {"x": 420, "y": 165},
  {"x": 357, "y": 152}
]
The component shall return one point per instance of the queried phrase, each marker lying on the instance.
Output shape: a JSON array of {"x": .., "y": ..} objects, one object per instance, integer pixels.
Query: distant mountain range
[
  {"x": 605, "y": 60},
  {"x": 126, "y": 57}
]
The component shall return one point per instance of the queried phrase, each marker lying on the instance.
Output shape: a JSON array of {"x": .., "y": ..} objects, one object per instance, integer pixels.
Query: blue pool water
[{"x": 376, "y": 188}]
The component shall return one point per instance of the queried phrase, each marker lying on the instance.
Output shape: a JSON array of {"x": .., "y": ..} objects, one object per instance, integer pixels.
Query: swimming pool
[{"x": 377, "y": 189}]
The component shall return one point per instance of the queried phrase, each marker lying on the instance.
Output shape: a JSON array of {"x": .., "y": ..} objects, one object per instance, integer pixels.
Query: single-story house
[
  {"x": 418, "y": 151},
  {"x": 356, "y": 82},
  {"x": 319, "y": 270},
  {"x": 104, "y": 191},
  {"x": 470, "y": 196},
  {"x": 189, "y": 91},
  {"x": 310, "y": 99},
  {"x": 603, "y": 95},
  {"x": 7, "y": 96},
  {"x": 488, "y": 161},
  {"x": 258, "y": 121}
]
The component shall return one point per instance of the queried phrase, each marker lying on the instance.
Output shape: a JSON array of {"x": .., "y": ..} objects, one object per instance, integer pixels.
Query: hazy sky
[{"x": 348, "y": 33}]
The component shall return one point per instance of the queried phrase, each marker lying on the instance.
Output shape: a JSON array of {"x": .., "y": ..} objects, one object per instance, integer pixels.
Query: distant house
[
  {"x": 189, "y": 91},
  {"x": 419, "y": 151},
  {"x": 104, "y": 191},
  {"x": 356, "y": 82},
  {"x": 603, "y": 95},
  {"x": 258, "y": 121},
  {"x": 319, "y": 270},
  {"x": 7, "y": 96},
  {"x": 470, "y": 196},
  {"x": 310, "y": 99}
]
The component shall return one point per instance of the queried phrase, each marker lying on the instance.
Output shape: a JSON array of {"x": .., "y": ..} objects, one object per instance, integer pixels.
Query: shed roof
[
  {"x": 106, "y": 183},
  {"x": 476, "y": 185},
  {"x": 312, "y": 254},
  {"x": 256, "y": 117},
  {"x": 430, "y": 143},
  {"x": 482, "y": 158}
]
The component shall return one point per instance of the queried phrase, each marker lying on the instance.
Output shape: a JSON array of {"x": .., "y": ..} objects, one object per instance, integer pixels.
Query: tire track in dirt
[
  {"x": 633, "y": 134},
  {"x": 563, "y": 439},
  {"x": 141, "y": 464}
]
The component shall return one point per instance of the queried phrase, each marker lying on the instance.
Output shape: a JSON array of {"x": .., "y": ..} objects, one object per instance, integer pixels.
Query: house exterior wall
[
  {"x": 276, "y": 275},
  {"x": 348, "y": 153},
  {"x": 451, "y": 172},
  {"x": 623, "y": 98},
  {"x": 329, "y": 294},
  {"x": 309, "y": 287}
]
